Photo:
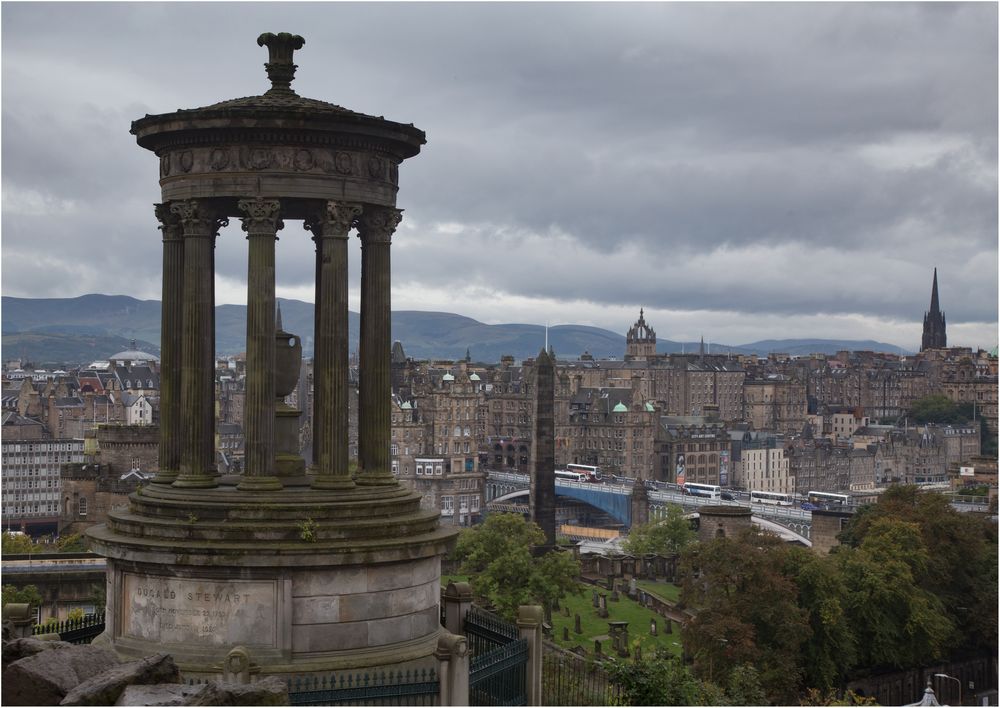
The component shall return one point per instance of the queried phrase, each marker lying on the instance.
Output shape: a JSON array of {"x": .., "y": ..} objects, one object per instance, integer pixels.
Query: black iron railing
[
  {"x": 498, "y": 660},
  {"x": 74, "y": 631},
  {"x": 572, "y": 680},
  {"x": 415, "y": 687}
]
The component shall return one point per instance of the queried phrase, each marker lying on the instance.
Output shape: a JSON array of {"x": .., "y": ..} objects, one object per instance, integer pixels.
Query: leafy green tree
[
  {"x": 938, "y": 408},
  {"x": 747, "y": 612},
  {"x": 897, "y": 622},
  {"x": 960, "y": 568},
  {"x": 17, "y": 543},
  {"x": 497, "y": 556},
  {"x": 28, "y": 594},
  {"x": 660, "y": 680},
  {"x": 665, "y": 537},
  {"x": 74, "y": 543},
  {"x": 76, "y": 613},
  {"x": 830, "y": 651}
]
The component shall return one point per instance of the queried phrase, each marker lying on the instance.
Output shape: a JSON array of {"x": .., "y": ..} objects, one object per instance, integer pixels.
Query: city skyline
[{"x": 742, "y": 172}]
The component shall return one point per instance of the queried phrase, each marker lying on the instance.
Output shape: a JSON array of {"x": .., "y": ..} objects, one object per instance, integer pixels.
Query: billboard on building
[
  {"x": 967, "y": 471},
  {"x": 723, "y": 468}
]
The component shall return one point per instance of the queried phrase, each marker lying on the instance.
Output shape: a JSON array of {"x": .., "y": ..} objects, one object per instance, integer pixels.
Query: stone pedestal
[{"x": 304, "y": 581}]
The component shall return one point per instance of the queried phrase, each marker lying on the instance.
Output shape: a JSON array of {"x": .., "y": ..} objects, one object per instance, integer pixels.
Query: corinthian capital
[
  {"x": 334, "y": 220},
  {"x": 170, "y": 223},
  {"x": 377, "y": 223},
  {"x": 262, "y": 215},
  {"x": 198, "y": 218}
]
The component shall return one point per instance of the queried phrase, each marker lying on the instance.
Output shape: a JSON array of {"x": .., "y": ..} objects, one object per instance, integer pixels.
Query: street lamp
[{"x": 946, "y": 676}]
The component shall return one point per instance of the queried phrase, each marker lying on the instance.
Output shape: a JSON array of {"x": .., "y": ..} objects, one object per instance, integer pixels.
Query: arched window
[{"x": 83, "y": 506}]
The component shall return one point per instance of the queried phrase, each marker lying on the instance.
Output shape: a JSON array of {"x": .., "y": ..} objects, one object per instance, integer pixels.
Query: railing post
[
  {"x": 457, "y": 601},
  {"x": 529, "y": 624},
  {"x": 19, "y": 615},
  {"x": 453, "y": 673}
]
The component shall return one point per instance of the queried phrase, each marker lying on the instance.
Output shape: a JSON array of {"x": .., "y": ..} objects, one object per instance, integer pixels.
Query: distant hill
[{"x": 78, "y": 330}]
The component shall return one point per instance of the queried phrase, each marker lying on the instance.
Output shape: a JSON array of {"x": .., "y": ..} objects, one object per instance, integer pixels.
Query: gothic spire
[{"x": 935, "y": 307}]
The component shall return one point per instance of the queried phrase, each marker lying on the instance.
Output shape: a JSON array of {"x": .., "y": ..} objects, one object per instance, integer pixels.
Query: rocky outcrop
[
  {"x": 266, "y": 692},
  {"x": 105, "y": 688},
  {"x": 45, "y": 677},
  {"x": 49, "y": 673}
]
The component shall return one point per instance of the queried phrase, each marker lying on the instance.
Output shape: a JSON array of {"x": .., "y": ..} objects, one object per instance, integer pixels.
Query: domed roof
[
  {"x": 447, "y": 377},
  {"x": 474, "y": 377},
  {"x": 649, "y": 406},
  {"x": 620, "y": 408},
  {"x": 133, "y": 354},
  {"x": 406, "y": 406}
]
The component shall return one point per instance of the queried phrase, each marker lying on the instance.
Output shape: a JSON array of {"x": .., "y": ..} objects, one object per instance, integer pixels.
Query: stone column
[
  {"x": 200, "y": 225},
  {"x": 262, "y": 223},
  {"x": 376, "y": 226},
  {"x": 171, "y": 322},
  {"x": 330, "y": 365},
  {"x": 529, "y": 625},
  {"x": 543, "y": 442},
  {"x": 452, "y": 654}
]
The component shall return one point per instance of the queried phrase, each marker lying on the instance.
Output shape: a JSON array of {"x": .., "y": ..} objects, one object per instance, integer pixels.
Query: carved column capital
[
  {"x": 170, "y": 223},
  {"x": 335, "y": 220},
  {"x": 263, "y": 216},
  {"x": 198, "y": 218},
  {"x": 377, "y": 223}
]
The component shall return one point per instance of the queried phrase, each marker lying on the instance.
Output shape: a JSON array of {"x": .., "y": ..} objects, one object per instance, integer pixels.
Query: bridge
[{"x": 508, "y": 491}]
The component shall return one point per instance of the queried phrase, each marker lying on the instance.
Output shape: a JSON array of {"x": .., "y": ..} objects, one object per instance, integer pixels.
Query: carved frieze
[{"x": 362, "y": 165}]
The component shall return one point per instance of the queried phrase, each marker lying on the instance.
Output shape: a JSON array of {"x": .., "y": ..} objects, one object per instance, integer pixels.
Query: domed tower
[{"x": 640, "y": 342}]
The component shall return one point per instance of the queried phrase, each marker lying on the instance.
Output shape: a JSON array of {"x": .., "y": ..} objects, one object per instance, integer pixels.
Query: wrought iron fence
[
  {"x": 572, "y": 680},
  {"x": 485, "y": 631},
  {"x": 414, "y": 687},
  {"x": 498, "y": 660},
  {"x": 74, "y": 631}
]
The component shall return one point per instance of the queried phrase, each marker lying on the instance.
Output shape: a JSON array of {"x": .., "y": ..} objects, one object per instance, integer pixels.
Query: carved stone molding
[
  {"x": 335, "y": 220},
  {"x": 359, "y": 164},
  {"x": 197, "y": 218},
  {"x": 378, "y": 223},
  {"x": 263, "y": 216},
  {"x": 170, "y": 223}
]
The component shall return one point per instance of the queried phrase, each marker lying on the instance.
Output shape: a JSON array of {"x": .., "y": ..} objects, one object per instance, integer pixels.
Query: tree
[
  {"x": 28, "y": 594},
  {"x": 660, "y": 680},
  {"x": 898, "y": 623},
  {"x": 17, "y": 543},
  {"x": 665, "y": 537},
  {"x": 830, "y": 651},
  {"x": 497, "y": 557},
  {"x": 747, "y": 612},
  {"x": 960, "y": 568},
  {"x": 74, "y": 543},
  {"x": 938, "y": 408}
]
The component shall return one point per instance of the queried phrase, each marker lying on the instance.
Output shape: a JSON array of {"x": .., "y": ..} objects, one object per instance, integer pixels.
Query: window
[
  {"x": 437, "y": 469},
  {"x": 420, "y": 469},
  {"x": 83, "y": 506}
]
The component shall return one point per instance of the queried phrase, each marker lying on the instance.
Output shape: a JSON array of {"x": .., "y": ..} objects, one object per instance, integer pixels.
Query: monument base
[{"x": 303, "y": 580}]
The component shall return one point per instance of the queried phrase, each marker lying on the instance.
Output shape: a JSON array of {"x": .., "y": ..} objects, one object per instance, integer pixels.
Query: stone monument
[{"x": 304, "y": 570}]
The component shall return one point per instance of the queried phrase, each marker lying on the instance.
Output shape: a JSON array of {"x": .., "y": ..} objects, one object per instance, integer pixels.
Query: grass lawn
[
  {"x": 664, "y": 591},
  {"x": 625, "y": 610}
]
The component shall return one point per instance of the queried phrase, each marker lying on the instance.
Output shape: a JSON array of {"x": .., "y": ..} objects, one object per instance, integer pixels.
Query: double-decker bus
[
  {"x": 593, "y": 472},
  {"x": 828, "y": 499},
  {"x": 712, "y": 491},
  {"x": 776, "y": 498},
  {"x": 571, "y": 476}
]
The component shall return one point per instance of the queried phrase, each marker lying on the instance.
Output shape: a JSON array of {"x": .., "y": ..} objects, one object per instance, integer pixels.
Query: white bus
[
  {"x": 571, "y": 476},
  {"x": 828, "y": 498},
  {"x": 711, "y": 491},
  {"x": 776, "y": 498},
  {"x": 593, "y": 473}
]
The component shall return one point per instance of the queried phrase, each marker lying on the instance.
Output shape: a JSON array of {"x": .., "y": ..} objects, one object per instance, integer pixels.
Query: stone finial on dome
[{"x": 280, "y": 67}]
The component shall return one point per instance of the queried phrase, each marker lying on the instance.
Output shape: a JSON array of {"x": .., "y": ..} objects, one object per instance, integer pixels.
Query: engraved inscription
[{"x": 174, "y": 610}]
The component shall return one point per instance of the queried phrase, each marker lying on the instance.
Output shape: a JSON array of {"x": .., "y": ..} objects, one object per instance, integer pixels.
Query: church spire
[
  {"x": 935, "y": 336},
  {"x": 935, "y": 307}
]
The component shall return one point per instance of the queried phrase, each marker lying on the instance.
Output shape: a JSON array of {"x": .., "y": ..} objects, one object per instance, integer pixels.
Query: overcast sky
[{"x": 742, "y": 171}]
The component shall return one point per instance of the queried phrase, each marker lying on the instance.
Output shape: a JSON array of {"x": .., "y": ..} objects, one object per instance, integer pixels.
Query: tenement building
[{"x": 694, "y": 449}]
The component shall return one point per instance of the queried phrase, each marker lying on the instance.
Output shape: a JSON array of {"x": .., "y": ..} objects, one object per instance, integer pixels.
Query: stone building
[
  {"x": 822, "y": 466},
  {"x": 693, "y": 449},
  {"x": 776, "y": 402},
  {"x": 764, "y": 467},
  {"x": 31, "y": 486}
]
